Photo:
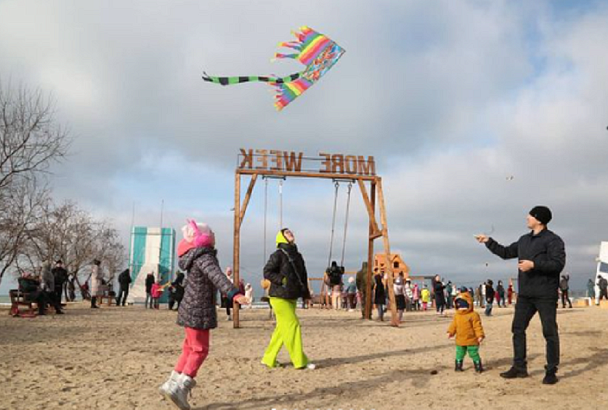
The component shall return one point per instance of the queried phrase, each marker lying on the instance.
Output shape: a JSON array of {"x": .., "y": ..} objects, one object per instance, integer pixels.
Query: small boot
[
  {"x": 180, "y": 389},
  {"x": 167, "y": 386},
  {"x": 478, "y": 367},
  {"x": 458, "y": 367}
]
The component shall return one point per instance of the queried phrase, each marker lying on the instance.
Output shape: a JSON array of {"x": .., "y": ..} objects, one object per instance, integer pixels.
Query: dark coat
[
  {"x": 205, "y": 278},
  {"x": 490, "y": 294},
  {"x": 61, "y": 277},
  {"x": 379, "y": 291},
  {"x": 285, "y": 282},
  {"x": 149, "y": 283},
  {"x": 124, "y": 279},
  {"x": 548, "y": 253},
  {"x": 439, "y": 292}
]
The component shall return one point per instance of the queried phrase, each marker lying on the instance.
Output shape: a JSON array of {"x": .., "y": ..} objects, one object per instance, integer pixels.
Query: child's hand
[
  {"x": 242, "y": 300},
  {"x": 480, "y": 339},
  {"x": 450, "y": 336}
]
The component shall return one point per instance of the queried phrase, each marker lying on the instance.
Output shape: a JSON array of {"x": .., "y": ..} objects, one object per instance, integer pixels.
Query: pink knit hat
[{"x": 196, "y": 235}]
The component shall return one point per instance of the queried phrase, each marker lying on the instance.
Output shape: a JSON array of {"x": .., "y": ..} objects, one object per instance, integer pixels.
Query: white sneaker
[
  {"x": 228, "y": 319},
  {"x": 311, "y": 366},
  {"x": 180, "y": 390},
  {"x": 165, "y": 389}
]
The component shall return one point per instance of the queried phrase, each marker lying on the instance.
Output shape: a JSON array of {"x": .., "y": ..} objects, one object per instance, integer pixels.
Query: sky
[{"x": 475, "y": 112}]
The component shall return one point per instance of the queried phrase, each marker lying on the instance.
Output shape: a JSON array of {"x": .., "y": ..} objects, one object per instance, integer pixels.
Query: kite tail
[
  {"x": 247, "y": 79},
  {"x": 286, "y": 92}
]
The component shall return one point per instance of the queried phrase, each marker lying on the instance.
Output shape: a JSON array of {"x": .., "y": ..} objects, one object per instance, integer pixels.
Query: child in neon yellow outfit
[{"x": 286, "y": 272}]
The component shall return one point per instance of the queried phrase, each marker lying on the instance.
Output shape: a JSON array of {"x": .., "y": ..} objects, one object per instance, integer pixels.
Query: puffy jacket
[
  {"x": 285, "y": 282},
  {"x": 425, "y": 295},
  {"x": 205, "y": 277},
  {"x": 548, "y": 253},
  {"x": 466, "y": 324}
]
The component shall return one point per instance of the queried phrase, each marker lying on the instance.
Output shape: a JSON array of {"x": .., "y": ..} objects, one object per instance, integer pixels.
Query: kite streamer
[{"x": 314, "y": 50}]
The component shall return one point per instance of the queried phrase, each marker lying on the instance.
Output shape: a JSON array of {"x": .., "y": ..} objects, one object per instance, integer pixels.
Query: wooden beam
[
  {"x": 387, "y": 251},
  {"x": 370, "y": 249},
  {"x": 236, "y": 256},
  {"x": 374, "y": 232},
  {"x": 304, "y": 174},
  {"x": 247, "y": 197}
]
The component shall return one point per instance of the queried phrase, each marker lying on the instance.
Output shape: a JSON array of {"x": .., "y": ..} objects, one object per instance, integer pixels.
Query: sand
[{"x": 115, "y": 358}]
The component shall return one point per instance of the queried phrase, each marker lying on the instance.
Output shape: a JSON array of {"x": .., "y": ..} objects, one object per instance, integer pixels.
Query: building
[
  {"x": 399, "y": 266},
  {"x": 152, "y": 251}
]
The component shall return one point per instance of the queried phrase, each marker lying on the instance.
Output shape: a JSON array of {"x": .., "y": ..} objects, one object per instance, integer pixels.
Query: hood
[
  {"x": 187, "y": 259},
  {"x": 466, "y": 297},
  {"x": 281, "y": 238}
]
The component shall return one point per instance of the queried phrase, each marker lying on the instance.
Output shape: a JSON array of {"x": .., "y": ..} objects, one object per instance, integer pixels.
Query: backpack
[{"x": 335, "y": 275}]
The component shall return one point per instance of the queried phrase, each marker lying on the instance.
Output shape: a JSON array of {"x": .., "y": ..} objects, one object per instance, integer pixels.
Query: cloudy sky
[{"x": 453, "y": 98}]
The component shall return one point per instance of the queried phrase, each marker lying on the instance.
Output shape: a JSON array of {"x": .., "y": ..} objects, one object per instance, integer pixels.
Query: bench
[
  {"x": 110, "y": 298},
  {"x": 19, "y": 298}
]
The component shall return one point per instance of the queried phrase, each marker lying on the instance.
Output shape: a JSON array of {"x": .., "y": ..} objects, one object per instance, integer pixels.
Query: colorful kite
[{"x": 316, "y": 51}]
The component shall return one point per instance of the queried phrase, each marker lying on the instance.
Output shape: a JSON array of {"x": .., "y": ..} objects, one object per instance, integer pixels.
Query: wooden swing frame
[{"x": 376, "y": 195}]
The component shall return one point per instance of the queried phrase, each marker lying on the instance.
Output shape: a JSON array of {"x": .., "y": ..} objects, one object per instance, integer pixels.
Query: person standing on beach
[
  {"x": 439, "y": 295},
  {"x": 591, "y": 289},
  {"x": 510, "y": 293},
  {"x": 361, "y": 280},
  {"x": 425, "y": 296},
  {"x": 149, "y": 283},
  {"x": 500, "y": 294},
  {"x": 124, "y": 280},
  {"x": 564, "y": 286},
  {"x": 197, "y": 256},
  {"x": 602, "y": 283},
  {"x": 288, "y": 278},
  {"x": 542, "y": 258},
  {"x": 61, "y": 277},
  {"x": 379, "y": 295},
  {"x": 490, "y": 293},
  {"x": 96, "y": 282}
]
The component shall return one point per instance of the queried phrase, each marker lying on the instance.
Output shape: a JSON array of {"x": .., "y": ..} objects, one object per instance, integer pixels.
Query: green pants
[
  {"x": 287, "y": 332},
  {"x": 461, "y": 352}
]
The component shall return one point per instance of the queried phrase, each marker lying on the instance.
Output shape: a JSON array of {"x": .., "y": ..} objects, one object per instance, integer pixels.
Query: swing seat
[{"x": 20, "y": 299}]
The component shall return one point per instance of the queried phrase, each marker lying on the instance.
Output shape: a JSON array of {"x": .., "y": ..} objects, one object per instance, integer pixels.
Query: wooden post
[
  {"x": 370, "y": 252},
  {"x": 370, "y": 209},
  {"x": 236, "y": 257},
  {"x": 247, "y": 197},
  {"x": 387, "y": 252}
]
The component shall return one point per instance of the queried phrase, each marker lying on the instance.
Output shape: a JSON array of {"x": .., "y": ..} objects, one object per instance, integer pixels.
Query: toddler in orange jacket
[{"x": 468, "y": 330}]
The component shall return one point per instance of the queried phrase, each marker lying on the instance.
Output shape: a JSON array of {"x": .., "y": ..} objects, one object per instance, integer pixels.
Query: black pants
[
  {"x": 525, "y": 309},
  {"x": 51, "y": 299},
  {"x": 440, "y": 304},
  {"x": 122, "y": 296},
  {"x": 603, "y": 294},
  {"x": 94, "y": 301},
  {"x": 565, "y": 298},
  {"x": 172, "y": 303}
]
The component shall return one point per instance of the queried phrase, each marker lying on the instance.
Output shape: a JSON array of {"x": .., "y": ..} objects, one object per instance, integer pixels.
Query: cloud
[{"x": 451, "y": 97}]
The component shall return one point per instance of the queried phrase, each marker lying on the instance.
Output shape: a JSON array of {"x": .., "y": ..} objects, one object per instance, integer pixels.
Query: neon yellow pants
[{"x": 287, "y": 332}]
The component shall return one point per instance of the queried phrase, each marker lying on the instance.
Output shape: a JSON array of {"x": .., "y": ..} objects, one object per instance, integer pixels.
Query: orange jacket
[{"x": 466, "y": 324}]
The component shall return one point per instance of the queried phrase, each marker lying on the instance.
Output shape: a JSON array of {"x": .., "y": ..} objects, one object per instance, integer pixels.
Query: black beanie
[{"x": 542, "y": 214}]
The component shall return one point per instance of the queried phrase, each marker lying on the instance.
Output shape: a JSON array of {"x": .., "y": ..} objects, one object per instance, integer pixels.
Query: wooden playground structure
[{"x": 337, "y": 167}]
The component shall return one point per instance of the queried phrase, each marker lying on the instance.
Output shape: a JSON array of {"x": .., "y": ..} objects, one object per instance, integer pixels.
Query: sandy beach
[{"x": 115, "y": 358}]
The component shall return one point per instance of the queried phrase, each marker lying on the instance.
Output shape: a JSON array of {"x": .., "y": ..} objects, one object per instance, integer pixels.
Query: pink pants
[{"x": 194, "y": 351}]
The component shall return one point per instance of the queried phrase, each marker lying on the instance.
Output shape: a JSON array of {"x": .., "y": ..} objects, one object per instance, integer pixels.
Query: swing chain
[
  {"x": 333, "y": 224},
  {"x": 350, "y": 187}
]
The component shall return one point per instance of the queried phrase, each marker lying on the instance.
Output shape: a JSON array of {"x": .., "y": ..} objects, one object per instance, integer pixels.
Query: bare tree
[
  {"x": 30, "y": 138},
  {"x": 22, "y": 205},
  {"x": 69, "y": 233}
]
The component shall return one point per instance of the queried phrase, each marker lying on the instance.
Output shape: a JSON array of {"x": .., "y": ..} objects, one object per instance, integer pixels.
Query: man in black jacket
[
  {"x": 542, "y": 257},
  {"x": 124, "y": 280},
  {"x": 61, "y": 277}
]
